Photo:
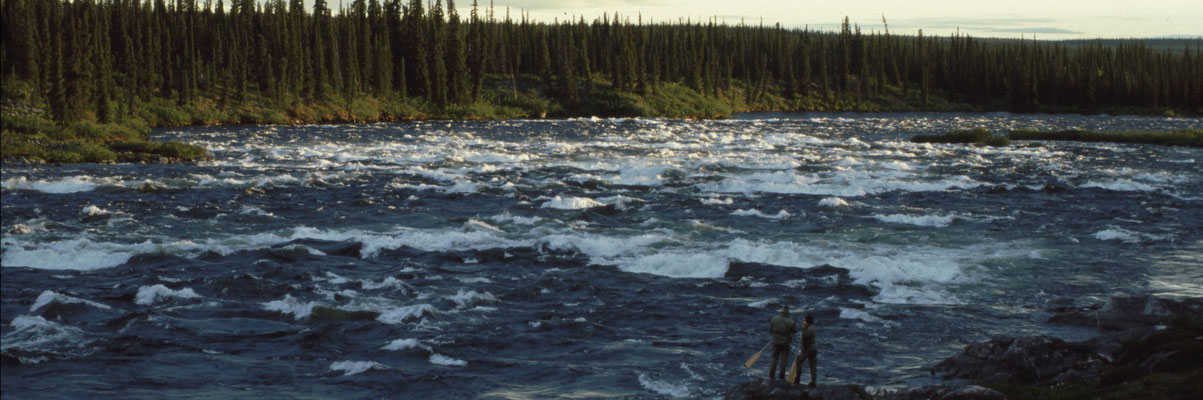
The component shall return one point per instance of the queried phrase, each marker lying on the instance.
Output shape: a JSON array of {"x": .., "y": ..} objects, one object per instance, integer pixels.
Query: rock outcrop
[
  {"x": 1025, "y": 360},
  {"x": 765, "y": 389},
  {"x": 940, "y": 392},
  {"x": 768, "y": 389},
  {"x": 1124, "y": 312}
]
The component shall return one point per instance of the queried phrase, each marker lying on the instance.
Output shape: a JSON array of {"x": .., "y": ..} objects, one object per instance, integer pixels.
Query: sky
[{"x": 1044, "y": 19}]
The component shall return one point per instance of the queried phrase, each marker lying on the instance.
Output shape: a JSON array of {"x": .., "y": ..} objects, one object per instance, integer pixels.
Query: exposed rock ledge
[{"x": 765, "y": 389}]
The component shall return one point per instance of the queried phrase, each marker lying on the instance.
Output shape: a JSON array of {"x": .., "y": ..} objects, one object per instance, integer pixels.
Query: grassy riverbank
[
  {"x": 983, "y": 137},
  {"x": 30, "y": 134}
]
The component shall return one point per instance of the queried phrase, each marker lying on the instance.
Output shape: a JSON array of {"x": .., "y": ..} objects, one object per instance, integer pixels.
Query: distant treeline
[{"x": 104, "y": 58}]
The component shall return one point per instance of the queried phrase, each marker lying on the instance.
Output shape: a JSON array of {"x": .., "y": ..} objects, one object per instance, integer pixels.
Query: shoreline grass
[{"x": 29, "y": 134}]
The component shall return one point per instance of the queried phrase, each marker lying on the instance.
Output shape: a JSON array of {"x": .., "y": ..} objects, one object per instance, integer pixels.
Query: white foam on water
[
  {"x": 846, "y": 183},
  {"x": 861, "y": 315},
  {"x": 401, "y": 344},
  {"x": 937, "y": 221},
  {"x": 477, "y": 279},
  {"x": 389, "y": 282},
  {"x": 477, "y": 224},
  {"x": 664, "y": 388},
  {"x": 462, "y": 187},
  {"x": 1121, "y": 185},
  {"x": 71, "y": 184},
  {"x": 35, "y": 334},
  {"x": 72, "y": 254},
  {"x": 716, "y": 201},
  {"x": 148, "y": 295},
  {"x": 292, "y": 306},
  {"x": 425, "y": 240},
  {"x": 472, "y": 298},
  {"x": 757, "y": 213},
  {"x": 677, "y": 265},
  {"x": 93, "y": 211},
  {"x": 439, "y": 359},
  {"x": 50, "y": 296},
  {"x": 507, "y": 218},
  {"x": 896, "y": 165},
  {"x": 1117, "y": 234},
  {"x": 762, "y": 303},
  {"x": 1126, "y": 236},
  {"x": 833, "y": 202},
  {"x": 251, "y": 210},
  {"x": 356, "y": 367},
  {"x": 904, "y": 274},
  {"x": 571, "y": 203},
  {"x": 398, "y": 315},
  {"x": 620, "y": 201},
  {"x": 601, "y": 249}
]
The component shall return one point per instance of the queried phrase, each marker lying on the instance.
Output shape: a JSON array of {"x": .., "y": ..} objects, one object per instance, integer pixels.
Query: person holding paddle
[
  {"x": 808, "y": 351},
  {"x": 782, "y": 328}
]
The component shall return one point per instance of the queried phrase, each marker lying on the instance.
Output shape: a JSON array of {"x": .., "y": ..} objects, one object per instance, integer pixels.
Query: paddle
[
  {"x": 794, "y": 372},
  {"x": 752, "y": 360}
]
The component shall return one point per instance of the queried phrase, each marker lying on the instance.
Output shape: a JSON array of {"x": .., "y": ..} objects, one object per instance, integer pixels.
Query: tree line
[{"x": 105, "y": 57}]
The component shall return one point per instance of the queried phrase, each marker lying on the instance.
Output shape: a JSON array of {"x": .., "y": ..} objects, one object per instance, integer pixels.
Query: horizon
[{"x": 1027, "y": 19}]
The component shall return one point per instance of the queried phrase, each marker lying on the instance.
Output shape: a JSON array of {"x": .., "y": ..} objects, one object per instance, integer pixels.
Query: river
[{"x": 585, "y": 258}]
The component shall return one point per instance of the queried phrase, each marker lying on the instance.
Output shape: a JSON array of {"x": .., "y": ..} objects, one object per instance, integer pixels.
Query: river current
[{"x": 579, "y": 258}]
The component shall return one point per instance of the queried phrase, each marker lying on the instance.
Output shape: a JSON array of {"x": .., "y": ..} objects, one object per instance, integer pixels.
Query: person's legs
[
  {"x": 814, "y": 370},
  {"x": 780, "y": 352}
]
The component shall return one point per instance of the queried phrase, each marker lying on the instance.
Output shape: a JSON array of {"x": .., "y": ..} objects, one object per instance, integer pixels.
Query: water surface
[{"x": 562, "y": 258}]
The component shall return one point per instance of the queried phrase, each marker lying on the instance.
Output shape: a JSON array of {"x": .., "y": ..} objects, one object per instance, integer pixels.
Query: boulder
[
  {"x": 1024, "y": 360},
  {"x": 770, "y": 389},
  {"x": 941, "y": 392},
  {"x": 1124, "y": 312}
]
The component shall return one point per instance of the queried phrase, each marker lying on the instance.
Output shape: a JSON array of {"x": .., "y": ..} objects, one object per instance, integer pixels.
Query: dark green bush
[{"x": 977, "y": 136}]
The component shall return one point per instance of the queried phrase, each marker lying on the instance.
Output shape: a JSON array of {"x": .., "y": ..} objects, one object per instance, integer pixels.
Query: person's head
[
  {"x": 810, "y": 320},
  {"x": 784, "y": 310}
]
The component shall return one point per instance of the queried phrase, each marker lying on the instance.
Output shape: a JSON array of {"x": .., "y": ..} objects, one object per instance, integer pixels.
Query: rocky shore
[{"x": 1148, "y": 347}]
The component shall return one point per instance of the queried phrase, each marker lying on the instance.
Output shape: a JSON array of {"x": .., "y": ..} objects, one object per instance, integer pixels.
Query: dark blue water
[{"x": 578, "y": 258}]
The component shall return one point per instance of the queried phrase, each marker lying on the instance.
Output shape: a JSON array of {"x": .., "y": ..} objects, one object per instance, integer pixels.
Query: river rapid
[{"x": 584, "y": 258}]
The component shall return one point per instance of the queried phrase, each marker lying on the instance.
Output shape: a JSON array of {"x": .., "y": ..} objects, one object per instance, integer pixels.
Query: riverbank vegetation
[
  {"x": 983, "y": 137},
  {"x": 134, "y": 65}
]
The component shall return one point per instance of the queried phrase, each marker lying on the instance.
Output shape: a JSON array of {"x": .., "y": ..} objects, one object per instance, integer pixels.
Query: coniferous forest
[{"x": 110, "y": 69}]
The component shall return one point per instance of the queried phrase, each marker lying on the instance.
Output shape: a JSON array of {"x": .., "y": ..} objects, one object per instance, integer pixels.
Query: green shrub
[
  {"x": 97, "y": 132},
  {"x": 978, "y": 136},
  {"x": 158, "y": 114},
  {"x": 28, "y": 123},
  {"x": 91, "y": 152},
  {"x": 14, "y": 144},
  {"x": 275, "y": 117}
]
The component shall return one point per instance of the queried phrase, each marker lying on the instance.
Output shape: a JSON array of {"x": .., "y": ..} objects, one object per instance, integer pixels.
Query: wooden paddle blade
[
  {"x": 748, "y": 364},
  {"x": 794, "y": 373}
]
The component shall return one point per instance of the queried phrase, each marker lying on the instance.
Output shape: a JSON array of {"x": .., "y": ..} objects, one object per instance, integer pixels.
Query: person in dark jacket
[
  {"x": 808, "y": 348},
  {"x": 782, "y": 328}
]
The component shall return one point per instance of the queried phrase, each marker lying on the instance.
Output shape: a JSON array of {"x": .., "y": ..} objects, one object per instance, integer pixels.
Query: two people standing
[{"x": 782, "y": 327}]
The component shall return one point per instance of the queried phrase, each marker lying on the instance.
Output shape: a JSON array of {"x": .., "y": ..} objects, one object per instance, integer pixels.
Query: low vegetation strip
[
  {"x": 977, "y": 136},
  {"x": 1191, "y": 137},
  {"x": 983, "y": 137},
  {"x": 34, "y": 138}
]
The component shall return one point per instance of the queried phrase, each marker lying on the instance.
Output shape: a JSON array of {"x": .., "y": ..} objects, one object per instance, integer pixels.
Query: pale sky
[{"x": 1047, "y": 19}]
